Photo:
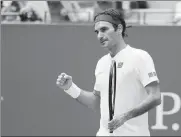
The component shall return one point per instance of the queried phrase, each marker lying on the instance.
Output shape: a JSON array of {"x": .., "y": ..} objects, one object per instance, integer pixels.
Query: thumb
[{"x": 68, "y": 77}]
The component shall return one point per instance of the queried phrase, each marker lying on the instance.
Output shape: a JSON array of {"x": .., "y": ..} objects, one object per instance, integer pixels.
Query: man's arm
[
  {"x": 153, "y": 100},
  {"x": 90, "y": 99}
]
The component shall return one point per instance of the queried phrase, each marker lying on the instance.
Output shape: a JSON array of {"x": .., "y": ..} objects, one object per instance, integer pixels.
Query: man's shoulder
[
  {"x": 103, "y": 59},
  {"x": 101, "y": 62},
  {"x": 140, "y": 53}
]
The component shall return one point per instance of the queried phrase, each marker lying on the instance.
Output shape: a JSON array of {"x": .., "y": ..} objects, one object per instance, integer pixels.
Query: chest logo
[{"x": 120, "y": 64}]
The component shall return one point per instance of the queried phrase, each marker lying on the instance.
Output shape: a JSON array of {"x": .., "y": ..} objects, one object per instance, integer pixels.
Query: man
[
  {"x": 137, "y": 88},
  {"x": 177, "y": 16},
  {"x": 10, "y": 7},
  {"x": 36, "y": 11}
]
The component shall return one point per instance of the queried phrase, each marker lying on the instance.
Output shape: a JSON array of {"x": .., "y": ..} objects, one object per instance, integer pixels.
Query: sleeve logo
[{"x": 152, "y": 74}]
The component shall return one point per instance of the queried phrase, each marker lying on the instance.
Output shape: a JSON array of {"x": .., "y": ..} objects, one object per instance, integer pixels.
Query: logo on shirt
[
  {"x": 120, "y": 64},
  {"x": 152, "y": 74}
]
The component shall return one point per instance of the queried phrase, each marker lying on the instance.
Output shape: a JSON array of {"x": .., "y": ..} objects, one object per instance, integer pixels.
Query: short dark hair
[{"x": 117, "y": 15}]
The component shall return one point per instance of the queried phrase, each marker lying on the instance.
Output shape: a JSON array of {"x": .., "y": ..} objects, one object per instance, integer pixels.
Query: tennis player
[{"x": 137, "y": 84}]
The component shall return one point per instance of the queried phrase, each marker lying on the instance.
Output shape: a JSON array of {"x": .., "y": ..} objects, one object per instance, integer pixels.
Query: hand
[
  {"x": 64, "y": 81},
  {"x": 116, "y": 122}
]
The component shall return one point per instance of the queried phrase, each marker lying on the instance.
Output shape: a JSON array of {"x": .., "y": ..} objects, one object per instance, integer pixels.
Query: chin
[
  {"x": 105, "y": 45},
  {"x": 108, "y": 47}
]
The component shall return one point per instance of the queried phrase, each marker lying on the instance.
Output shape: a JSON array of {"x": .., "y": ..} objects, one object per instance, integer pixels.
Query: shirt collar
[{"x": 121, "y": 52}]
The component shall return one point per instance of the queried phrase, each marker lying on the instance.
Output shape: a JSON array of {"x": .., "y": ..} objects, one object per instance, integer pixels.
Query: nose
[{"x": 99, "y": 35}]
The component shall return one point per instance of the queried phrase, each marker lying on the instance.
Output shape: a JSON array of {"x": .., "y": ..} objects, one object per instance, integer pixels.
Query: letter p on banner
[{"x": 160, "y": 111}]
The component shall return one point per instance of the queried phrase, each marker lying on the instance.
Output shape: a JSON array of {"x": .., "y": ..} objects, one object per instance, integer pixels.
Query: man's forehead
[{"x": 101, "y": 24}]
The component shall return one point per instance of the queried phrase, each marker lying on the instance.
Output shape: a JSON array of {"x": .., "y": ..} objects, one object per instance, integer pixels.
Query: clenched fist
[{"x": 64, "y": 81}]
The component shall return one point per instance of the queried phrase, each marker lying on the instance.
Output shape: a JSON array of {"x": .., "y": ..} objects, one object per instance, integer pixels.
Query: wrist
[
  {"x": 125, "y": 117},
  {"x": 74, "y": 91}
]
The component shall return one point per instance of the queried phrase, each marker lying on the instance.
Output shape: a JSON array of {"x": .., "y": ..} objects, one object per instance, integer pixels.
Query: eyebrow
[
  {"x": 104, "y": 27},
  {"x": 96, "y": 31}
]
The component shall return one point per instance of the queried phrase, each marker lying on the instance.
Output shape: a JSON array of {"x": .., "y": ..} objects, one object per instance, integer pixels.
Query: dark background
[{"x": 33, "y": 56}]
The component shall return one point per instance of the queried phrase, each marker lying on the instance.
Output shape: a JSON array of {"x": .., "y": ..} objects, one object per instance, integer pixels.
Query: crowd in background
[
  {"x": 25, "y": 11},
  {"x": 71, "y": 11}
]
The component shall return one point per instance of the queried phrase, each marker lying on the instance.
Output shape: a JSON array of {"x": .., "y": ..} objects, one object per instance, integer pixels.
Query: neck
[{"x": 117, "y": 48}]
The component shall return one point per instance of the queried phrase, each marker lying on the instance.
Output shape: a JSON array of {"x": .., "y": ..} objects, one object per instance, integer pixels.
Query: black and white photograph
[{"x": 90, "y": 68}]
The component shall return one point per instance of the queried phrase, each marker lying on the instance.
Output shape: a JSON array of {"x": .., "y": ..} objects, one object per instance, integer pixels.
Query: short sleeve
[
  {"x": 97, "y": 70},
  {"x": 146, "y": 69}
]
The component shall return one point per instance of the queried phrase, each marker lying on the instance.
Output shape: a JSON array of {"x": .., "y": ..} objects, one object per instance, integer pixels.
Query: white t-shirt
[
  {"x": 178, "y": 12},
  {"x": 135, "y": 70},
  {"x": 42, "y": 8}
]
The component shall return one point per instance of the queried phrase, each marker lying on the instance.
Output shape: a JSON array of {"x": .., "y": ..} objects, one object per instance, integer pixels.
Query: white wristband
[{"x": 73, "y": 91}]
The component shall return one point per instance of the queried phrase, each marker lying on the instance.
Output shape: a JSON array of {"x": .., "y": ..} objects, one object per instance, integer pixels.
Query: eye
[
  {"x": 96, "y": 31},
  {"x": 103, "y": 29}
]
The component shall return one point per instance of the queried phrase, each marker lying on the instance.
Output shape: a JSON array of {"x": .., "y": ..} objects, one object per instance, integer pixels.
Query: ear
[{"x": 120, "y": 29}]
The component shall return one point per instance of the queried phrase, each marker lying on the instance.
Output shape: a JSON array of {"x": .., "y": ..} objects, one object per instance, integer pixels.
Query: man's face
[{"x": 106, "y": 34}]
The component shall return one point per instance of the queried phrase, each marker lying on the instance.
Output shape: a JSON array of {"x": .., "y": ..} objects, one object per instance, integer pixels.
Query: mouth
[{"x": 103, "y": 42}]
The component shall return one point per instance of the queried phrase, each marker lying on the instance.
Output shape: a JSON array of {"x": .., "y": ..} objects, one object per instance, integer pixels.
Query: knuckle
[
  {"x": 59, "y": 79},
  {"x": 62, "y": 81},
  {"x": 63, "y": 73}
]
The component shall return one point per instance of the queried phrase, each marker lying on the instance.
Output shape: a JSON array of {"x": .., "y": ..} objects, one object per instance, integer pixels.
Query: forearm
[
  {"x": 150, "y": 102},
  {"x": 89, "y": 100}
]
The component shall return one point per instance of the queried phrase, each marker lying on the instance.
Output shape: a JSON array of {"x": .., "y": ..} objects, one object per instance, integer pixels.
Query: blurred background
[
  {"x": 34, "y": 53},
  {"x": 136, "y": 12}
]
